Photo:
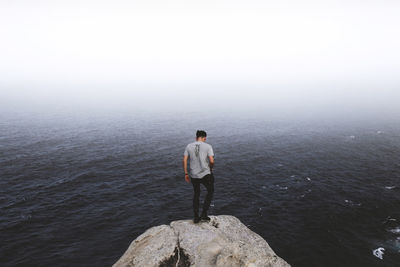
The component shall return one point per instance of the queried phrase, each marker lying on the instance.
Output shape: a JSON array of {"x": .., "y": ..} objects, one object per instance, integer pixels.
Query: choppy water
[{"x": 75, "y": 191}]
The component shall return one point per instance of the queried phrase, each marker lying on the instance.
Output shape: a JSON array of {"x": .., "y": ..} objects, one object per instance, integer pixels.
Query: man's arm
[
  {"x": 185, "y": 158},
  {"x": 211, "y": 161},
  {"x": 210, "y": 154}
]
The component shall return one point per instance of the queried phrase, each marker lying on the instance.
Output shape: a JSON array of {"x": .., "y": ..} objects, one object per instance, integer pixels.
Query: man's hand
[{"x": 187, "y": 178}]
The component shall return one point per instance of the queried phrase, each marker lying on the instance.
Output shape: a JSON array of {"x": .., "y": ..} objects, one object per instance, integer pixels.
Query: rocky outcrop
[{"x": 224, "y": 241}]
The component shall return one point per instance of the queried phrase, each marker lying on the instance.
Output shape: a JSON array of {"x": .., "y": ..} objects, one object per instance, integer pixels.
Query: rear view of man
[{"x": 201, "y": 160}]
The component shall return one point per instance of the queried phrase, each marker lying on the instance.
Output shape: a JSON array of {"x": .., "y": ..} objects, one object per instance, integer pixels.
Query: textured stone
[
  {"x": 151, "y": 248},
  {"x": 224, "y": 241}
]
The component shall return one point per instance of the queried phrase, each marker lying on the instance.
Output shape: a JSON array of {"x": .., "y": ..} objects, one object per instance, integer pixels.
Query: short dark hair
[{"x": 201, "y": 133}]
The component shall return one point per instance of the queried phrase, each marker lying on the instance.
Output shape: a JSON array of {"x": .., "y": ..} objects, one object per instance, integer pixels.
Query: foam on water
[
  {"x": 389, "y": 219},
  {"x": 378, "y": 253},
  {"x": 395, "y": 230},
  {"x": 281, "y": 187},
  {"x": 390, "y": 187},
  {"x": 351, "y": 203}
]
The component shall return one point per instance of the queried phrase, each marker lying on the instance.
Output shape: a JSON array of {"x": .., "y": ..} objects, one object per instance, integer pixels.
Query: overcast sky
[{"x": 177, "y": 54}]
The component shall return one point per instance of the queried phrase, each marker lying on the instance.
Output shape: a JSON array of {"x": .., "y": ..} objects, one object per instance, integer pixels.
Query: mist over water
[{"x": 281, "y": 58}]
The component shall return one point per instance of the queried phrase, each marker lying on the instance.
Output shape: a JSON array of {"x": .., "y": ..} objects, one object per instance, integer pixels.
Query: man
[{"x": 201, "y": 158}]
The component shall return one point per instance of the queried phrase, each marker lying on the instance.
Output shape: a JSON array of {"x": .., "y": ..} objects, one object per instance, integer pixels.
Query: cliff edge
[{"x": 224, "y": 241}]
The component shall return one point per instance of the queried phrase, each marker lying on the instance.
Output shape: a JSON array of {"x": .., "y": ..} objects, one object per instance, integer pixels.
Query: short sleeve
[
  {"x": 210, "y": 151},
  {"x": 186, "y": 153}
]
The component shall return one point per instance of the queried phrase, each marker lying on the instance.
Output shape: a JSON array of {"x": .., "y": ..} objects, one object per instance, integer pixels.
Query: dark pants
[{"x": 208, "y": 182}]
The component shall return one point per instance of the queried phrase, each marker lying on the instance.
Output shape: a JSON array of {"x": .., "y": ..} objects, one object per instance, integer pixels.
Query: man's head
[{"x": 201, "y": 135}]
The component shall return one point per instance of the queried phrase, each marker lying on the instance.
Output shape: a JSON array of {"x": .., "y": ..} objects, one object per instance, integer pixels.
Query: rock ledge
[{"x": 224, "y": 241}]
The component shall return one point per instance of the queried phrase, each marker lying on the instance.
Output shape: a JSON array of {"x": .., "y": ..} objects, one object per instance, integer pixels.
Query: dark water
[{"x": 75, "y": 191}]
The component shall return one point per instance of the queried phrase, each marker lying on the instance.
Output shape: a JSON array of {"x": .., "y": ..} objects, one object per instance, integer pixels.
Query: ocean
[{"x": 76, "y": 190}]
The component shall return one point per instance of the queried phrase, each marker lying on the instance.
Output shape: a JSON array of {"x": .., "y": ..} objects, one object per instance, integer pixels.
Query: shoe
[
  {"x": 205, "y": 218},
  {"x": 196, "y": 219}
]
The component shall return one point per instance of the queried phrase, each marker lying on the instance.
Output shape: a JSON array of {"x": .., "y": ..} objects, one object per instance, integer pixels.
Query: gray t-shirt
[{"x": 198, "y": 153}]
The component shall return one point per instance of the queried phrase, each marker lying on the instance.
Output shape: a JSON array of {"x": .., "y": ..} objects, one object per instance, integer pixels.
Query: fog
[{"x": 315, "y": 58}]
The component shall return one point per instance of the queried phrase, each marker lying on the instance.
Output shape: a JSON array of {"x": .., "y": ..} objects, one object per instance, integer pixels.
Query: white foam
[
  {"x": 378, "y": 253},
  {"x": 395, "y": 230},
  {"x": 352, "y": 203},
  {"x": 390, "y": 187},
  {"x": 282, "y": 187},
  {"x": 389, "y": 219}
]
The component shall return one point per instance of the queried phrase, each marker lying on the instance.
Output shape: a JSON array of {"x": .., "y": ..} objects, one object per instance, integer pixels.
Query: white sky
[{"x": 156, "y": 53}]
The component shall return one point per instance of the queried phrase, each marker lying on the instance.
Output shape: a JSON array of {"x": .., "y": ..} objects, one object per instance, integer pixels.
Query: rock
[{"x": 224, "y": 241}]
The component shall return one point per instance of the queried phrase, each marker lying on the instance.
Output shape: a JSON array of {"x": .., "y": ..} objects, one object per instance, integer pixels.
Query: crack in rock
[{"x": 178, "y": 259}]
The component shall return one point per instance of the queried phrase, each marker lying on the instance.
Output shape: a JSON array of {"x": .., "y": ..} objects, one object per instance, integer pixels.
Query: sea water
[{"x": 76, "y": 190}]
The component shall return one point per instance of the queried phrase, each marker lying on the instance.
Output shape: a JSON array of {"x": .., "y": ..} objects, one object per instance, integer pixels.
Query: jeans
[{"x": 208, "y": 182}]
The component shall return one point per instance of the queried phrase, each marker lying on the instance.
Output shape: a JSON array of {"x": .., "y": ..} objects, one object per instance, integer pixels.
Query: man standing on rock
[{"x": 201, "y": 158}]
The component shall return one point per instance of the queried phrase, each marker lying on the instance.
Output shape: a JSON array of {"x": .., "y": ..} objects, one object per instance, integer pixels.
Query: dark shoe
[
  {"x": 196, "y": 219},
  {"x": 205, "y": 218}
]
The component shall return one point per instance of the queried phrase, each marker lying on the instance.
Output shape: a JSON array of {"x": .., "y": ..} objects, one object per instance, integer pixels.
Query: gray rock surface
[{"x": 224, "y": 241}]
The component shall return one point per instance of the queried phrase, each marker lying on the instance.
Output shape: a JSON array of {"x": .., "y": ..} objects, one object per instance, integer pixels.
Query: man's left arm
[{"x": 210, "y": 155}]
